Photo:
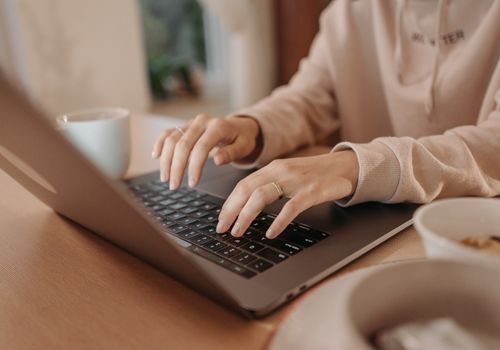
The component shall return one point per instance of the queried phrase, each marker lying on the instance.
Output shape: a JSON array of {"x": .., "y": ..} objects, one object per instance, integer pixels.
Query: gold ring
[
  {"x": 180, "y": 130},
  {"x": 278, "y": 189}
]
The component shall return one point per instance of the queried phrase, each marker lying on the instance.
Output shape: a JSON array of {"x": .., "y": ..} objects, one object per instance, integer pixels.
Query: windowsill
[{"x": 188, "y": 107}]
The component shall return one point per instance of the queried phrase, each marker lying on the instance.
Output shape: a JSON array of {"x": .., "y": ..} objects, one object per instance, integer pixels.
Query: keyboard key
[
  {"x": 260, "y": 265},
  {"x": 178, "y": 206},
  {"x": 168, "y": 224},
  {"x": 157, "y": 207},
  {"x": 177, "y": 228},
  {"x": 210, "y": 256},
  {"x": 272, "y": 255},
  {"x": 262, "y": 239},
  {"x": 197, "y": 225},
  {"x": 187, "y": 199},
  {"x": 184, "y": 190},
  {"x": 284, "y": 246},
  {"x": 210, "y": 218},
  {"x": 223, "y": 236},
  {"x": 187, "y": 221},
  {"x": 188, "y": 234},
  {"x": 266, "y": 218},
  {"x": 251, "y": 234},
  {"x": 222, "y": 262},
  {"x": 199, "y": 195},
  {"x": 176, "y": 196},
  {"x": 297, "y": 238},
  {"x": 252, "y": 247},
  {"x": 215, "y": 245},
  {"x": 200, "y": 213},
  {"x": 156, "y": 199},
  {"x": 243, "y": 258},
  {"x": 197, "y": 203},
  {"x": 237, "y": 241},
  {"x": 165, "y": 212},
  {"x": 259, "y": 226},
  {"x": 200, "y": 240},
  {"x": 307, "y": 231},
  {"x": 229, "y": 252},
  {"x": 208, "y": 206},
  {"x": 241, "y": 271},
  {"x": 188, "y": 210},
  {"x": 209, "y": 230},
  {"x": 166, "y": 192},
  {"x": 147, "y": 195},
  {"x": 166, "y": 202},
  {"x": 176, "y": 216},
  {"x": 155, "y": 188}
]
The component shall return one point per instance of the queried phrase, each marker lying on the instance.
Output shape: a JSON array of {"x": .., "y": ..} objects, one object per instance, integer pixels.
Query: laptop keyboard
[{"x": 192, "y": 216}]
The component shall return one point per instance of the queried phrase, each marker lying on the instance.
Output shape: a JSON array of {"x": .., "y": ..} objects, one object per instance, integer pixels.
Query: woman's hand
[
  {"x": 231, "y": 139},
  {"x": 306, "y": 181}
]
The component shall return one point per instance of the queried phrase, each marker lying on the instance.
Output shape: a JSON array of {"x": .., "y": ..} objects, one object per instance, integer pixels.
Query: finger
[
  {"x": 232, "y": 152},
  {"x": 182, "y": 151},
  {"x": 166, "y": 155},
  {"x": 289, "y": 212},
  {"x": 238, "y": 197},
  {"x": 259, "y": 199},
  {"x": 215, "y": 133},
  {"x": 158, "y": 145}
]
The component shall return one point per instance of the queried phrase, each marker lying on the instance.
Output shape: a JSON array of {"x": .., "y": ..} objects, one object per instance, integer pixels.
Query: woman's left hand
[{"x": 307, "y": 181}]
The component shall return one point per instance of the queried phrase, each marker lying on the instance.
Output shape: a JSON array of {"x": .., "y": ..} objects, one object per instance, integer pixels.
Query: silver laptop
[{"x": 175, "y": 230}]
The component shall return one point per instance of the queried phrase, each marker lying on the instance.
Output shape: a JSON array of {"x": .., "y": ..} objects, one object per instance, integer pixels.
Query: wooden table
[{"x": 62, "y": 287}]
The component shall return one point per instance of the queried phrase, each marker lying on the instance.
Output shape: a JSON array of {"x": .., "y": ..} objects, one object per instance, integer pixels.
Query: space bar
[
  {"x": 222, "y": 262},
  {"x": 207, "y": 255}
]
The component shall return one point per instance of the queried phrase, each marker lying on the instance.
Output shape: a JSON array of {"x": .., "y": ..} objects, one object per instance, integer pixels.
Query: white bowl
[
  {"x": 421, "y": 291},
  {"x": 443, "y": 223},
  {"x": 345, "y": 313}
]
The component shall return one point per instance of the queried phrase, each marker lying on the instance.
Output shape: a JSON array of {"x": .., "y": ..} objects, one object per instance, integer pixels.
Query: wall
[{"x": 80, "y": 54}]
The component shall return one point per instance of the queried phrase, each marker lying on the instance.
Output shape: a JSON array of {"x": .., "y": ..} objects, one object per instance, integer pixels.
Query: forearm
[{"x": 463, "y": 161}]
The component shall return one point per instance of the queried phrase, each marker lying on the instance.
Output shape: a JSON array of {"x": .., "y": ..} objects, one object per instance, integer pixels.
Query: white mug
[{"x": 101, "y": 134}]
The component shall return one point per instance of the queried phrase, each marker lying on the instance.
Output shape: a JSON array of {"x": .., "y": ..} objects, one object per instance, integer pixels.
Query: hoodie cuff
[
  {"x": 266, "y": 154},
  {"x": 379, "y": 172}
]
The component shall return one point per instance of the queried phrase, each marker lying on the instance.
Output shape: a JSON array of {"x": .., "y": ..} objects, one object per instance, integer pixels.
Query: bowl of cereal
[{"x": 466, "y": 229}]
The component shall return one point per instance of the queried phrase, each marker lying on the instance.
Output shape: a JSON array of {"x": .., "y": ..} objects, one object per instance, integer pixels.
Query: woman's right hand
[{"x": 231, "y": 139}]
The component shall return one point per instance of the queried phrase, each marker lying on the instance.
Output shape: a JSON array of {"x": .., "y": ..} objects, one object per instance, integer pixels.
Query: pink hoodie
[{"x": 422, "y": 115}]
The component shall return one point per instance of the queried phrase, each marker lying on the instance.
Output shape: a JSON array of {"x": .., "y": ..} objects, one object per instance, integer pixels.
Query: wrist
[
  {"x": 348, "y": 166},
  {"x": 249, "y": 126}
]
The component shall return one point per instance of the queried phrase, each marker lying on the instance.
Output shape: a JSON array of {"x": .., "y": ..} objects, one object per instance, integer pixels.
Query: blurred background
[{"x": 168, "y": 57}]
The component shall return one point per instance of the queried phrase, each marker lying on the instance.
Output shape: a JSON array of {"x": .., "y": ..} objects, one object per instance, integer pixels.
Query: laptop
[{"x": 175, "y": 230}]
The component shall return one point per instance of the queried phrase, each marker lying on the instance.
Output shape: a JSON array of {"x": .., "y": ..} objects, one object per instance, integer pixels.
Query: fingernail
[
  {"x": 154, "y": 155},
  {"x": 236, "y": 229},
  {"x": 162, "y": 177},
  {"x": 192, "y": 181},
  {"x": 173, "y": 185},
  {"x": 218, "y": 160},
  {"x": 220, "y": 227},
  {"x": 270, "y": 234}
]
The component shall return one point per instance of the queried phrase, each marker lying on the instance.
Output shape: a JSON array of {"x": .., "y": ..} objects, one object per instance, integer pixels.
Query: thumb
[{"x": 237, "y": 150}]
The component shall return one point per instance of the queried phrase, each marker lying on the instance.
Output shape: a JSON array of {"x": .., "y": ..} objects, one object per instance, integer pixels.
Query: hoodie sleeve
[
  {"x": 464, "y": 161},
  {"x": 301, "y": 112}
]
